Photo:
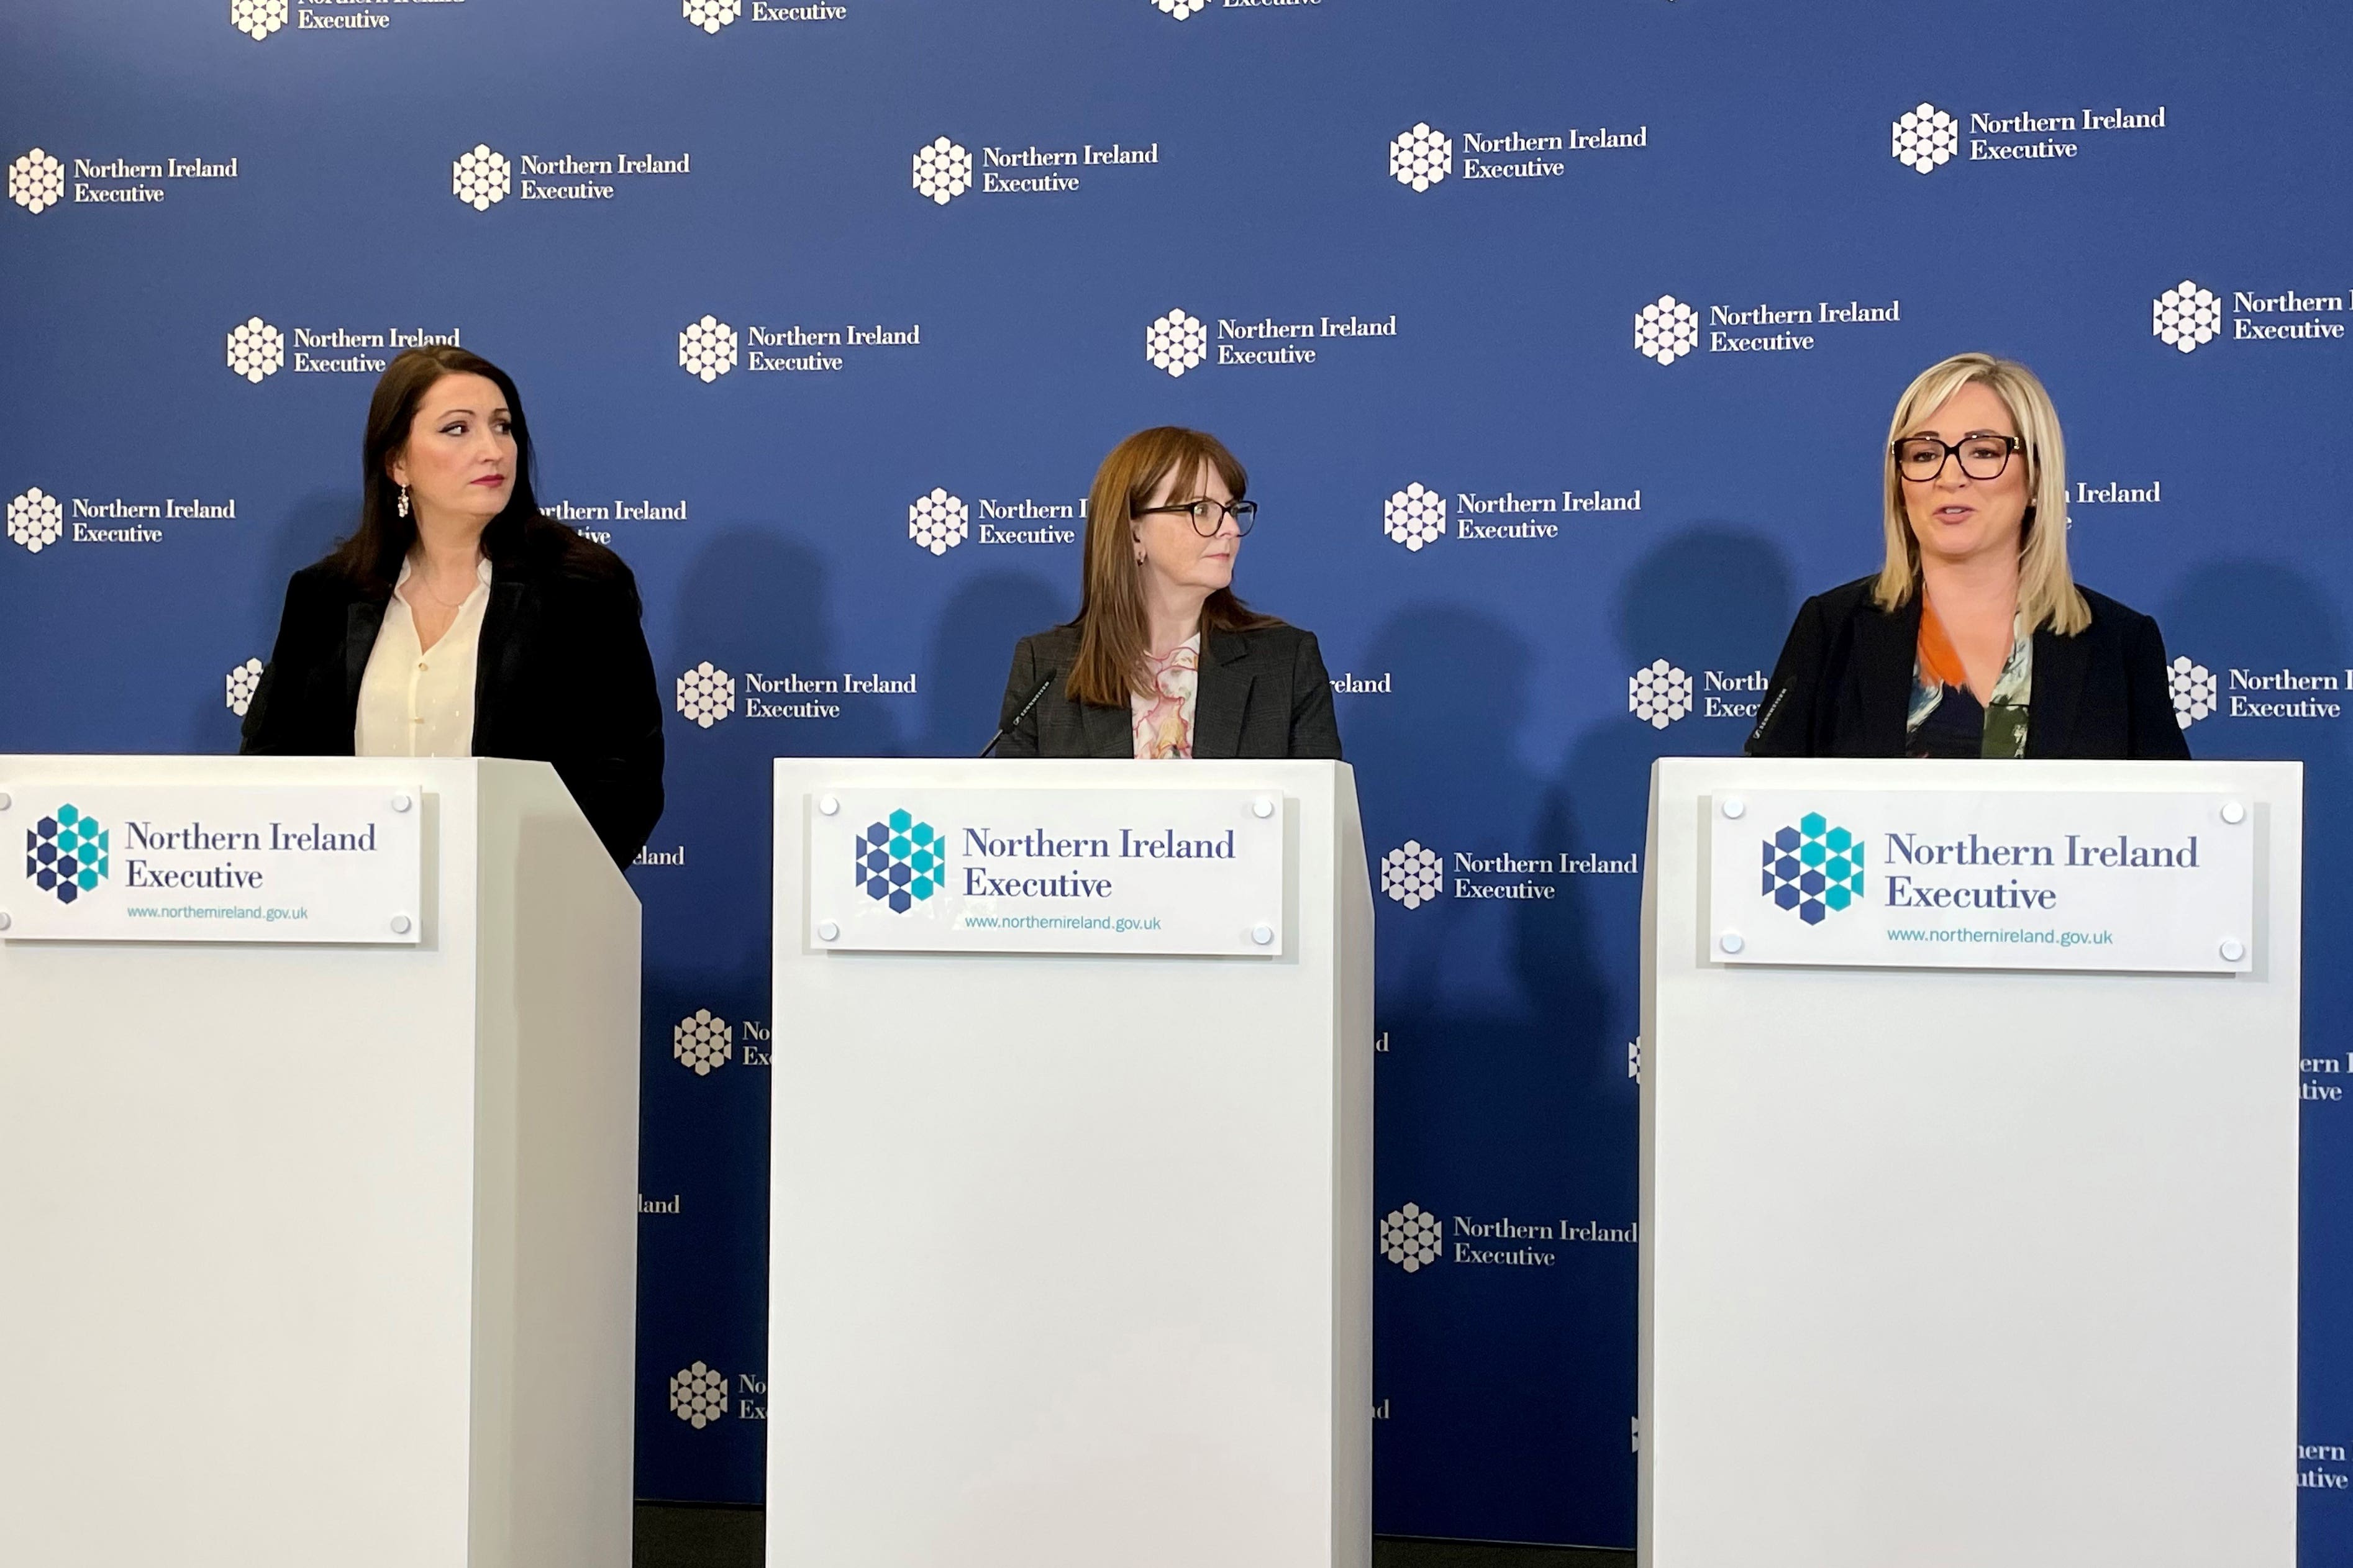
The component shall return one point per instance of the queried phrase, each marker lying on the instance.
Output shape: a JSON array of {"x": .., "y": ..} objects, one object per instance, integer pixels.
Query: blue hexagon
[
  {"x": 1787, "y": 839},
  {"x": 900, "y": 903},
  {"x": 1812, "y": 882},
  {"x": 1786, "y": 896},
  {"x": 901, "y": 821},
  {"x": 1838, "y": 897},
  {"x": 1811, "y": 912},
  {"x": 1813, "y": 825}
]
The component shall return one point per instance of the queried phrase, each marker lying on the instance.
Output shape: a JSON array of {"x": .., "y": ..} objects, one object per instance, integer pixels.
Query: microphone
[{"x": 1003, "y": 729}]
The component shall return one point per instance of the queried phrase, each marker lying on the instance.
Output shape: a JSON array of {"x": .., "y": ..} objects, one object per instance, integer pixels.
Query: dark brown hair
[
  {"x": 1113, "y": 635},
  {"x": 371, "y": 557}
]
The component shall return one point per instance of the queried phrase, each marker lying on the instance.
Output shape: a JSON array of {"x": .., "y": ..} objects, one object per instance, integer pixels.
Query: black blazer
[
  {"x": 563, "y": 676},
  {"x": 1262, "y": 693},
  {"x": 1844, "y": 683}
]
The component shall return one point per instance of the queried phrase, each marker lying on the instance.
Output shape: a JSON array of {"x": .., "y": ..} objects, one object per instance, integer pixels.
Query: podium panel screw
[
  {"x": 1262, "y": 806},
  {"x": 2234, "y": 813},
  {"x": 2233, "y": 950},
  {"x": 827, "y": 931},
  {"x": 401, "y": 802},
  {"x": 1263, "y": 935},
  {"x": 829, "y": 805},
  {"x": 1730, "y": 941},
  {"x": 3, "y": 919},
  {"x": 5, "y": 802},
  {"x": 1735, "y": 808},
  {"x": 400, "y": 925}
]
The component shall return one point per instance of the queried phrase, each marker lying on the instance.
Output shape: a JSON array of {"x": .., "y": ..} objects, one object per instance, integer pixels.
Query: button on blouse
[{"x": 417, "y": 702}]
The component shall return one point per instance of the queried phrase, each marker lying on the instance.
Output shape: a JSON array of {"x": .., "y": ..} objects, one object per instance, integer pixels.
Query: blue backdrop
[{"x": 1559, "y": 340}]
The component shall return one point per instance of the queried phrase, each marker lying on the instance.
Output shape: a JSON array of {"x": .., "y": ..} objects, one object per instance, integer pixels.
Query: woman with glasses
[
  {"x": 1972, "y": 640},
  {"x": 1164, "y": 661}
]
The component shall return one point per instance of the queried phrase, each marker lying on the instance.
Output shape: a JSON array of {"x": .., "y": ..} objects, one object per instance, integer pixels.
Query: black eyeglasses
[
  {"x": 1209, "y": 516},
  {"x": 1982, "y": 456}
]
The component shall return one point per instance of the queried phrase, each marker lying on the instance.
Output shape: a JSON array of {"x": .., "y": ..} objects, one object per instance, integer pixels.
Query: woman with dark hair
[
  {"x": 1164, "y": 661},
  {"x": 457, "y": 622}
]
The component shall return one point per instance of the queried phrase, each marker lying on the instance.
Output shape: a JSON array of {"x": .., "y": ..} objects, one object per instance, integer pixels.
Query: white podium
[
  {"x": 1972, "y": 1239},
  {"x": 1072, "y": 1252},
  {"x": 321, "y": 1253}
]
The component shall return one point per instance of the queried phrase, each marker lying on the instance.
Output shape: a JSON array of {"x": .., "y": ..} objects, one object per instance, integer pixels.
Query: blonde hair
[{"x": 2046, "y": 590}]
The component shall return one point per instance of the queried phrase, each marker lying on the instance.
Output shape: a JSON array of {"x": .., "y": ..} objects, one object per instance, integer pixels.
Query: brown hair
[
  {"x": 371, "y": 557},
  {"x": 1111, "y": 630}
]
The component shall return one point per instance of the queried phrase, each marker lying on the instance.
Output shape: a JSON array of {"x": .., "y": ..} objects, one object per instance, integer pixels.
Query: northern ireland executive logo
[
  {"x": 1180, "y": 9},
  {"x": 1665, "y": 330},
  {"x": 1926, "y": 138},
  {"x": 705, "y": 695},
  {"x": 2186, "y": 317},
  {"x": 1813, "y": 868},
  {"x": 36, "y": 180},
  {"x": 901, "y": 861},
  {"x": 700, "y": 1042},
  {"x": 1420, "y": 157},
  {"x": 481, "y": 178},
  {"x": 2194, "y": 690},
  {"x": 36, "y": 519},
  {"x": 243, "y": 682},
  {"x": 1177, "y": 342},
  {"x": 256, "y": 350},
  {"x": 709, "y": 15},
  {"x": 698, "y": 1394},
  {"x": 938, "y": 521},
  {"x": 1413, "y": 1237},
  {"x": 707, "y": 349},
  {"x": 1414, "y": 516},
  {"x": 1658, "y": 694},
  {"x": 66, "y": 854},
  {"x": 1413, "y": 875},
  {"x": 943, "y": 171},
  {"x": 257, "y": 20}
]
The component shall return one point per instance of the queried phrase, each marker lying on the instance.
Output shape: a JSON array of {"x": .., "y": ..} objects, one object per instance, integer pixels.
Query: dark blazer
[
  {"x": 1262, "y": 693},
  {"x": 1844, "y": 683},
  {"x": 563, "y": 676}
]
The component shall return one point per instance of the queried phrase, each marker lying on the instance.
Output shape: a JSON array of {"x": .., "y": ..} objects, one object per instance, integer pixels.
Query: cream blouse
[
  {"x": 1163, "y": 722},
  {"x": 417, "y": 702}
]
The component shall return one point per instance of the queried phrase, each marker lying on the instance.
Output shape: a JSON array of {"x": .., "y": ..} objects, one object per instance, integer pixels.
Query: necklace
[{"x": 457, "y": 603}]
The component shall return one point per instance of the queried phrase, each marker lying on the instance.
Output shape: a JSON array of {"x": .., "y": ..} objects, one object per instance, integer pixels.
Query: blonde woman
[
  {"x": 1164, "y": 662},
  {"x": 1973, "y": 639}
]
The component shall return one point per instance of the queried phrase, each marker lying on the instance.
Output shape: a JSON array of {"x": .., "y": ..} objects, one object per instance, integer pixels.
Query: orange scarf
[{"x": 1936, "y": 656}]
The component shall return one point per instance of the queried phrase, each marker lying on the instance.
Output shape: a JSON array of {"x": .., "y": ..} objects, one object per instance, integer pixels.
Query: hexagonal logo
[
  {"x": 1414, "y": 516},
  {"x": 2186, "y": 317},
  {"x": 481, "y": 178},
  {"x": 257, "y": 20},
  {"x": 1665, "y": 330},
  {"x": 66, "y": 854},
  {"x": 1180, "y": 9},
  {"x": 900, "y": 862},
  {"x": 1925, "y": 138},
  {"x": 699, "y": 1042},
  {"x": 1658, "y": 694},
  {"x": 1420, "y": 157},
  {"x": 36, "y": 519},
  {"x": 698, "y": 1394},
  {"x": 1413, "y": 1237},
  {"x": 706, "y": 694},
  {"x": 709, "y": 15},
  {"x": 1813, "y": 868},
  {"x": 1413, "y": 874},
  {"x": 943, "y": 171},
  {"x": 243, "y": 682},
  {"x": 256, "y": 349},
  {"x": 706, "y": 350},
  {"x": 2193, "y": 687},
  {"x": 1177, "y": 342},
  {"x": 36, "y": 180},
  {"x": 938, "y": 521}
]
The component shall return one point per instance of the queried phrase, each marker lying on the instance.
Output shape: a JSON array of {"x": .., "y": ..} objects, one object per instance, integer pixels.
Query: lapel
[
  {"x": 2060, "y": 666},
  {"x": 1222, "y": 698},
  {"x": 1108, "y": 732},
  {"x": 508, "y": 621},
  {"x": 362, "y": 618},
  {"x": 1885, "y": 647}
]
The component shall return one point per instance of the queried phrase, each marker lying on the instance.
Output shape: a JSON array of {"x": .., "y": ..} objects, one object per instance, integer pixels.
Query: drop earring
[{"x": 401, "y": 506}]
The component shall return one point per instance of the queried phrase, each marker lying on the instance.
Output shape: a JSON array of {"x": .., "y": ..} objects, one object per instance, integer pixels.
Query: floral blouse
[
  {"x": 1163, "y": 721},
  {"x": 1945, "y": 718}
]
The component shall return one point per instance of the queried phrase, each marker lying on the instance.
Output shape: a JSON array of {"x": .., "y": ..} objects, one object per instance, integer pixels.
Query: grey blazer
[{"x": 1264, "y": 693}]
